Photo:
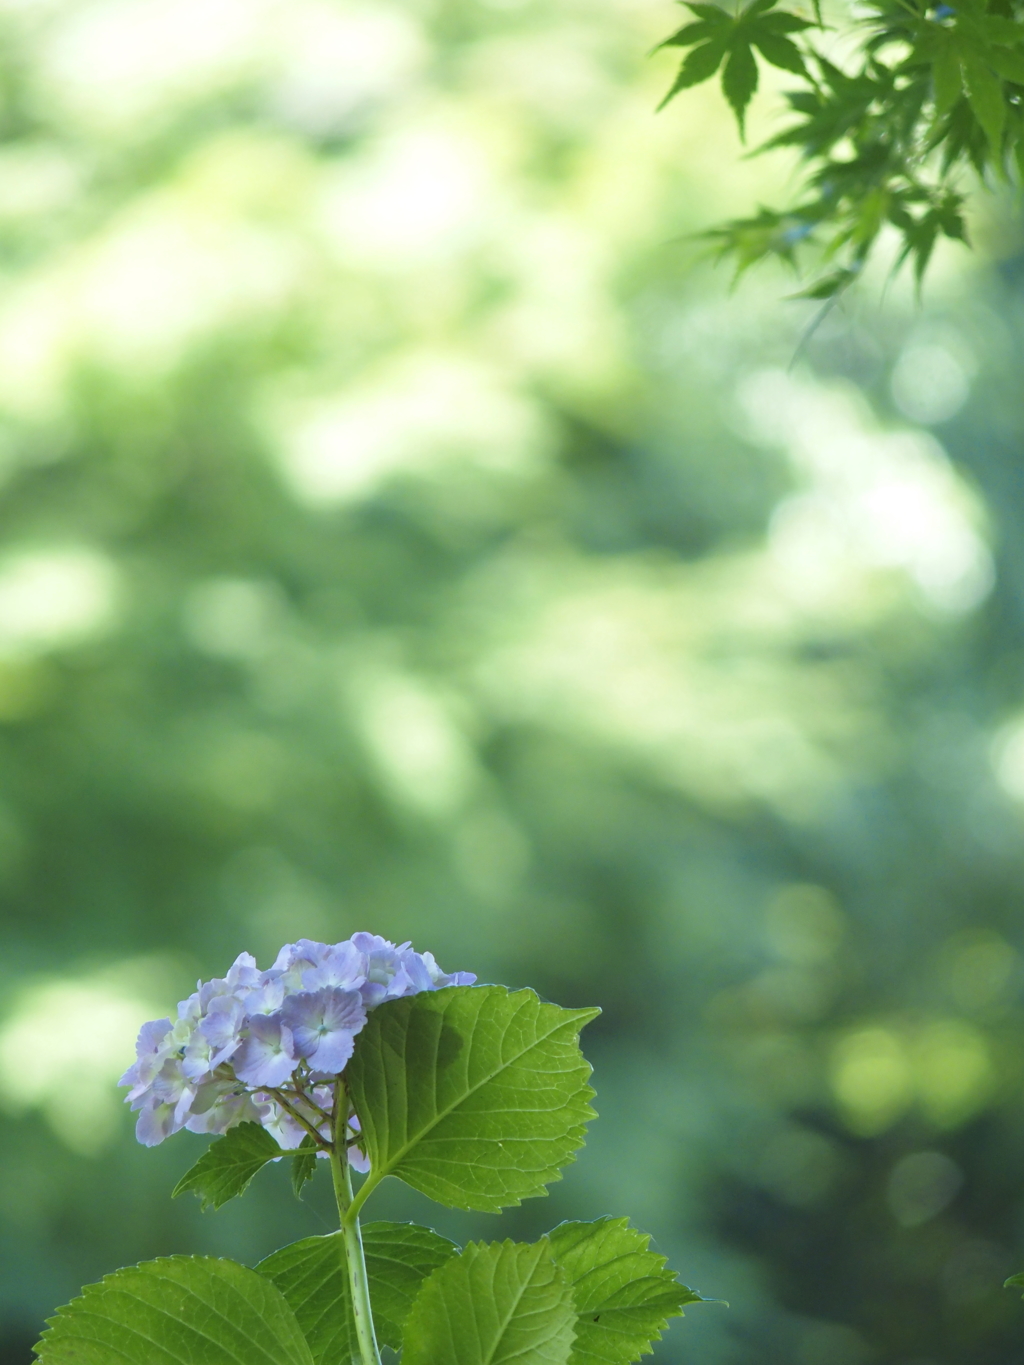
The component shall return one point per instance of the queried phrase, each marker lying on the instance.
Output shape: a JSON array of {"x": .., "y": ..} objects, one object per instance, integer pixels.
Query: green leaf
[
  {"x": 1009, "y": 62},
  {"x": 739, "y": 81},
  {"x": 720, "y": 34},
  {"x": 624, "y": 1295},
  {"x": 696, "y": 32},
  {"x": 474, "y": 1095},
  {"x": 997, "y": 29},
  {"x": 985, "y": 94},
  {"x": 1016, "y": 139},
  {"x": 1015, "y": 1282},
  {"x": 780, "y": 51},
  {"x": 493, "y": 1305},
  {"x": 781, "y": 22},
  {"x": 829, "y": 286},
  {"x": 714, "y": 14},
  {"x": 700, "y": 65},
  {"x": 312, "y": 1276},
  {"x": 946, "y": 78},
  {"x": 181, "y": 1310},
  {"x": 303, "y": 1165},
  {"x": 227, "y": 1166},
  {"x": 950, "y": 217}
]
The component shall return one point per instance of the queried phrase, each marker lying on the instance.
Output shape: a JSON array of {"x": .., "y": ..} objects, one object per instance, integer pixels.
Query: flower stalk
[{"x": 355, "y": 1260}]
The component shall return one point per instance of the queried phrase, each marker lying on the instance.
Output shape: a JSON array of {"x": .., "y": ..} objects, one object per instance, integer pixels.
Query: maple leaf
[{"x": 717, "y": 39}]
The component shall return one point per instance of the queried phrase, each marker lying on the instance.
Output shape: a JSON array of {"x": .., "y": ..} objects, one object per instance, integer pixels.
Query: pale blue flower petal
[
  {"x": 266, "y": 1058},
  {"x": 342, "y": 965},
  {"x": 243, "y": 975},
  {"x": 155, "y": 1123},
  {"x": 324, "y": 1024},
  {"x": 153, "y": 1046}
]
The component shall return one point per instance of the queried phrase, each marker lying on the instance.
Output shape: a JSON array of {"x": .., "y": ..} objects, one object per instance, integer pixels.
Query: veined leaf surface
[
  {"x": 180, "y": 1310},
  {"x": 502, "y": 1303},
  {"x": 227, "y": 1166},
  {"x": 474, "y": 1095},
  {"x": 624, "y": 1294}
]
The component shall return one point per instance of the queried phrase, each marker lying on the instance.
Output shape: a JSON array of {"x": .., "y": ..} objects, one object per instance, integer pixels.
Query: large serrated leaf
[
  {"x": 227, "y": 1166},
  {"x": 181, "y": 1310},
  {"x": 474, "y": 1095},
  {"x": 312, "y": 1276},
  {"x": 624, "y": 1294},
  {"x": 495, "y": 1304}
]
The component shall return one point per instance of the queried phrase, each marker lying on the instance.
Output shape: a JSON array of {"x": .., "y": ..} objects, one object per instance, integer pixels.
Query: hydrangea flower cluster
[{"x": 268, "y": 1046}]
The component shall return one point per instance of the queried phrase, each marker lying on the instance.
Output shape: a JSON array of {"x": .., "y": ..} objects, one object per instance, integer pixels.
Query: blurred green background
[{"x": 401, "y": 530}]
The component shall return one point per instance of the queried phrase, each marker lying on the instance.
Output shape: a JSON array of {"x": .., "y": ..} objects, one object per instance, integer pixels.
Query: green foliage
[
  {"x": 181, "y": 1310},
  {"x": 426, "y": 716},
  {"x": 311, "y": 1275},
  {"x": 229, "y": 1164},
  {"x": 1015, "y": 1282},
  {"x": 718, "y": 37},
  {"x": 931, "y": 91},
  {"x": 495, "y": 1304},
  {"x": 475, "y": 1096},
  {"x": 624, "y": 1294}
]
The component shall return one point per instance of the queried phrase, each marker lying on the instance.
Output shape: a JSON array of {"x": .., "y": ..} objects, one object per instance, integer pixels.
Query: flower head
[{"x": 268, "y": 1046}]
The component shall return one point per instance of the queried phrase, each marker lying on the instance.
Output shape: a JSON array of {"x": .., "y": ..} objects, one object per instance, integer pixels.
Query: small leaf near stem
[
  {"x": 229, "y": 1164},
  {"x": 354, "y": 1257},
  {"x": 303, "y": 1165}
]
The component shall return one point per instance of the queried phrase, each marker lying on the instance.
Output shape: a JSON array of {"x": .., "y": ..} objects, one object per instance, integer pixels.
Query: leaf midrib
[{"x": 518, "y": 1299}]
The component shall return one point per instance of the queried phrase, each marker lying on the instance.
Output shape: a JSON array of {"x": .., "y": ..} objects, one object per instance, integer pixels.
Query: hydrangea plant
[{"x": 366, "y": 1055}]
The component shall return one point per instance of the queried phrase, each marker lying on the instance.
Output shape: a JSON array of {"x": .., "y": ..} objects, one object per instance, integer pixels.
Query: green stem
[
  {"x": 354, "y": 1258},
  {"x": 365, "y": 1190}
]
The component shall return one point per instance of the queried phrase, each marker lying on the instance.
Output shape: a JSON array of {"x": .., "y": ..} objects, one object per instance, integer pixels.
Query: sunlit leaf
[
  {"x": 182, "y": 1310},
  {"x": 624, "y": 1294},
  {"x": 985, "y": 93},
  {"x": 946, "y": 77},
  {"x": 475, "y": 1095},
  {"x": 920, "y": 82},
  {"x": 506, "y": 1303},
  {"x": 739, "y": 81},
  {"x": 829, "y": 286},
  {"x": 780, "y": 51},
  {"x": 699, "y": 65},
  {"x": 1008, "y": 62},
  {"x": 229, "y": 1164}
]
